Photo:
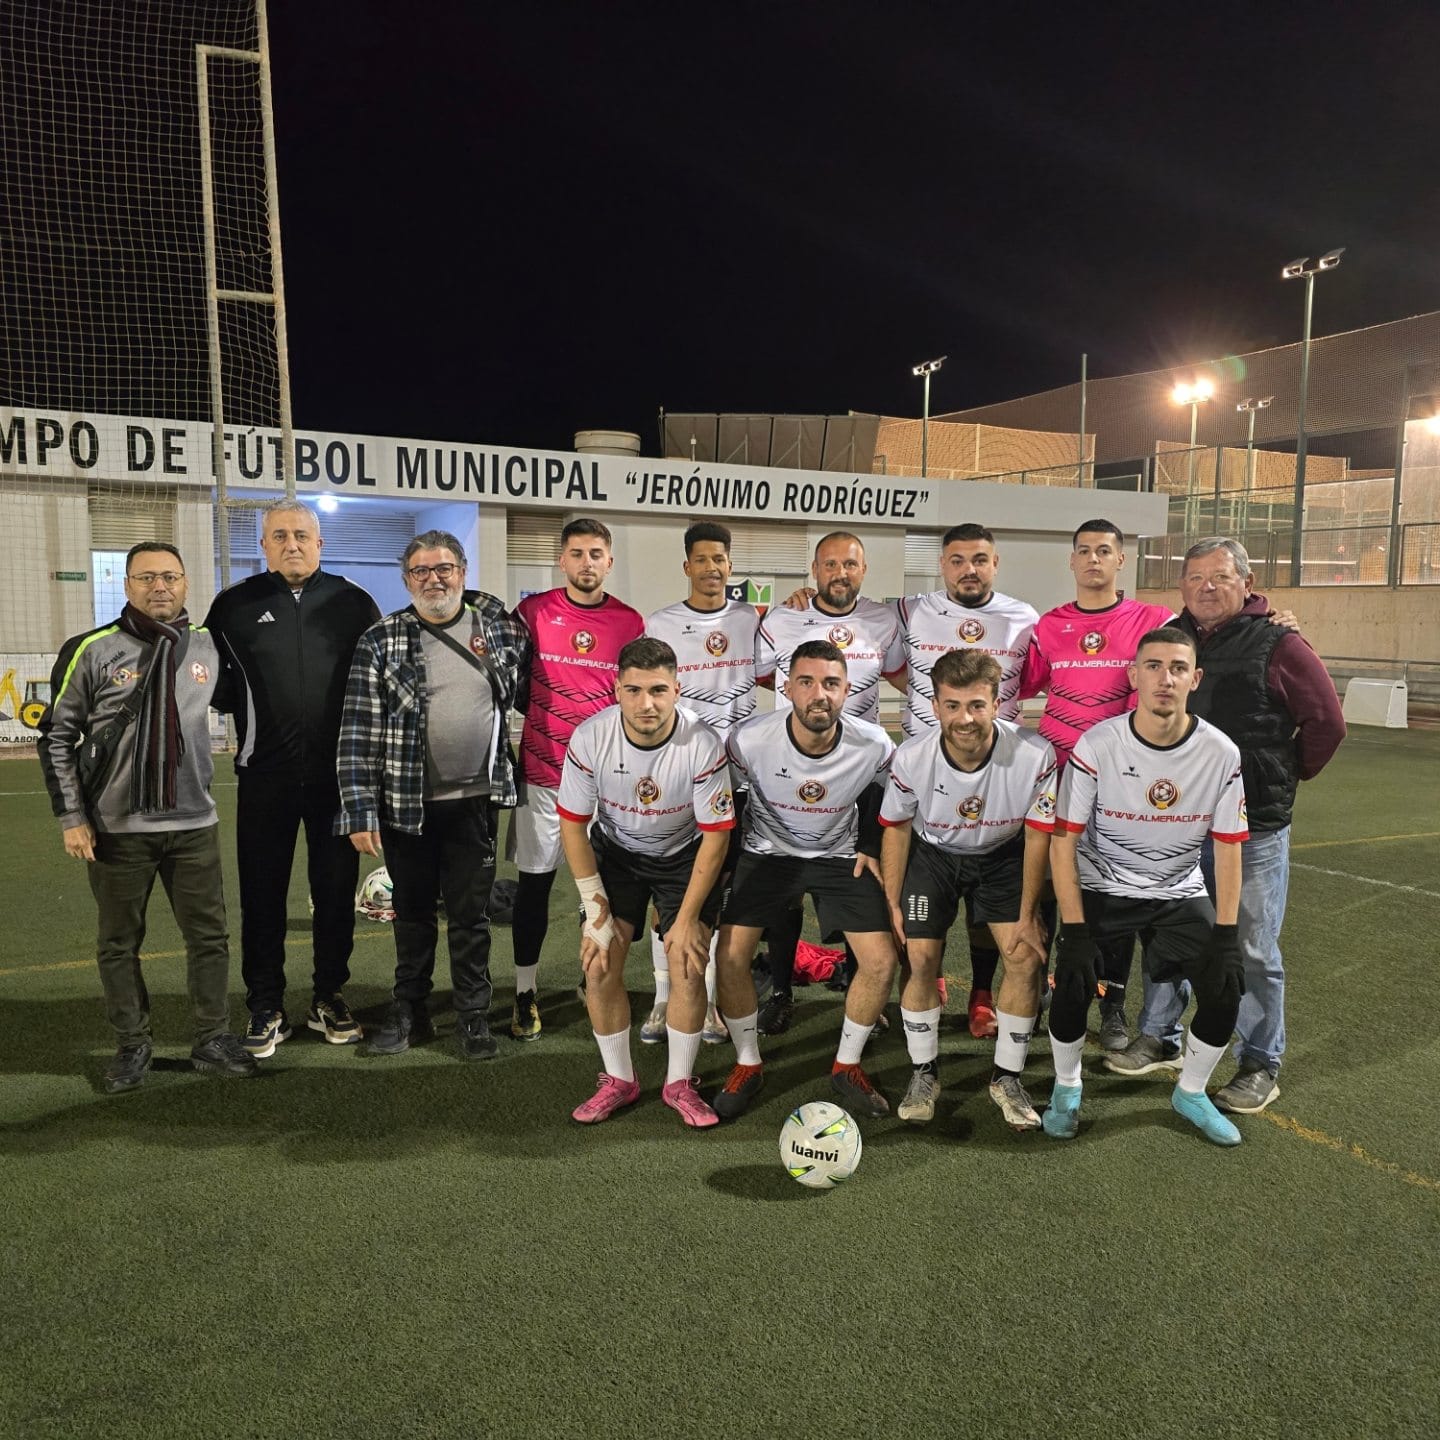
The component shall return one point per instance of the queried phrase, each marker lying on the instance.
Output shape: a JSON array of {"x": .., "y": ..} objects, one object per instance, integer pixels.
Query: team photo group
[{"x": 1150, "y": 812}]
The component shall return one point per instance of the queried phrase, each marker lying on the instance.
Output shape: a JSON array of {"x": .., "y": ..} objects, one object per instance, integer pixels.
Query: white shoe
[
  {"x": 652, "y": 1028},
  {"x": 714, "y": 1032}
]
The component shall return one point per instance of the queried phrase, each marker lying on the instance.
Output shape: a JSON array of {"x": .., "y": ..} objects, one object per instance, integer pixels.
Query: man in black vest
[{"x": 1265, "y": 688}]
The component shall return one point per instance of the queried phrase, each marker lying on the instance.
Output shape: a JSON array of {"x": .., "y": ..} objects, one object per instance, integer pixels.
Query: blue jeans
[{"x": 1260, "y": 1029}]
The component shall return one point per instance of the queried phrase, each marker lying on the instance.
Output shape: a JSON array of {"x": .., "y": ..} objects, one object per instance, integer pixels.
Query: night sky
[{"x": 506, "y": 229}]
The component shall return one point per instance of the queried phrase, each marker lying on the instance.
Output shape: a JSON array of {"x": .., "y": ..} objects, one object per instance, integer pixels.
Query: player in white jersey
[
  {"x": 969, "y": 614},
  {"x": 968, "y": 814},
  {"x": 1139, "y": 797},
  {"x": 811, "y": 826},
  {"x": 713, "y": 638},
  {"x": 653, "y": 779}
]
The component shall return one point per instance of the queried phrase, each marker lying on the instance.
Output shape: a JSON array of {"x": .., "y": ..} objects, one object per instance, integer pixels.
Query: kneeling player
[
  {"x": 1139, "y": 796},
  {"x": 968, "y": 790},
  {"x": 654, "y": 779},
  {"x": 810, "y": 827}
]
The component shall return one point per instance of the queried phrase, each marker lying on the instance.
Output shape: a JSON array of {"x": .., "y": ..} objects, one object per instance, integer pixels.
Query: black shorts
[
  {"x": 1174, "y": 934},
  {"x": 937, "y": 880},
  {"x": 733, "y": 853},
  {"x": 766, "y": 888},
  {"x": 632, "y": 881}
]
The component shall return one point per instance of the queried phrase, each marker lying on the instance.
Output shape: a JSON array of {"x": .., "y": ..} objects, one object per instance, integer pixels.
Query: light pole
[
  {"x": 1193, "y": 393},
  {"x": 1249, "y": 408},
  {"x": 926, "y": 369},
  {"x": 1297, "y": 270}
]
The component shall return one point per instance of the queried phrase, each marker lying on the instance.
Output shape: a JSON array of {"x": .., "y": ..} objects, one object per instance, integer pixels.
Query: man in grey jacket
[{"x": 125, "y": 747}]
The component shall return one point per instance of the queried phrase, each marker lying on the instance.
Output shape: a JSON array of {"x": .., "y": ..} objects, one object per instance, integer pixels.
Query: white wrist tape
[{"x": 592, "y": 894}]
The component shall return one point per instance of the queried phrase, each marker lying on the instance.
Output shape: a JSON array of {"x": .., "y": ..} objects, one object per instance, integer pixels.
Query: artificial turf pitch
[{"x": 415, "y": 1247}]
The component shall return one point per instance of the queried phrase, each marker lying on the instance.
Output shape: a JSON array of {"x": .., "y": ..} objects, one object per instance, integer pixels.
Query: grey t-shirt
[{"x": 459, "y": 716}]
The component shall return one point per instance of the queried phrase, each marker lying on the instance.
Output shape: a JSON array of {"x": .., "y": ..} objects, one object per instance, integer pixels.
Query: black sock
[{"x": 983, "y": 960}]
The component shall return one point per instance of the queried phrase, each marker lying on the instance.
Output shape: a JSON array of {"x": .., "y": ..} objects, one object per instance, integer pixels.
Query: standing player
[
  {"x": 1140, "y": 796},
  {"x": 655, "y": 782},
  {"x": 969, "y": 790},
  {"x": 577, "y": 632},
  {"x": 713, "y": 638},
  {"x": 811, "y": 826},
  {"x": 968, "y": 614}
]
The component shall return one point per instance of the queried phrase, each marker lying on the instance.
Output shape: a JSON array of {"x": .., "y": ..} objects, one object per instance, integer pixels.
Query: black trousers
[
  {"x": 270, "y": 811},
  {"x": 454, "y": 857}
]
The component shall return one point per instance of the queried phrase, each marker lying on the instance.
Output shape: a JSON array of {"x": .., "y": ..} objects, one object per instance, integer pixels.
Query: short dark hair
[
  {"x": 585, "y": 525},
  {"x": 820, "y": 650},
  {"x": 1098, "y": 527},
  {"x": 145, "y": 545},
  {"x": 646, "y": 653},
  {"x": 965, "y": 532},
  {"x": 433, "y": 540},
  {"x": 706, "y": 530},
  {"x": 840, "y": 535},
  {"x": 1166, "y": 635},
  {"x": 962, "y": 668}
]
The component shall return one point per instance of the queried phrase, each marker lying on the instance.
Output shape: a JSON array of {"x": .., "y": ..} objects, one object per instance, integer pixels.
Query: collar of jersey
[
  {"x": 1189, "y": 731},
  {"x": 790, "y": 736},
  {"x": 989, "y": 755}
]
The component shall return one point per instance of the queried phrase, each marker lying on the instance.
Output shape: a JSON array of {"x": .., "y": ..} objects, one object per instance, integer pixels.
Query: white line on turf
[{"x": 1365, "y": 879}]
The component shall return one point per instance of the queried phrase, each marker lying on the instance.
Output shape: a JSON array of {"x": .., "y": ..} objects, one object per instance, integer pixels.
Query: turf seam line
[
  {"x": 1366, "y": 840},
  {"x": 1348, "y": 1147},
  {"x": 1366, "y": 880}
]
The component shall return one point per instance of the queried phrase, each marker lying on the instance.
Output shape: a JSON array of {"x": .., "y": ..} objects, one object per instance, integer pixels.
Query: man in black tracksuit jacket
[{"x": 287, "y": 637}]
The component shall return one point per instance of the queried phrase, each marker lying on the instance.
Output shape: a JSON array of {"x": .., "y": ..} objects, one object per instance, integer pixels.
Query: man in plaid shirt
[{"x": 424, "y": 767}]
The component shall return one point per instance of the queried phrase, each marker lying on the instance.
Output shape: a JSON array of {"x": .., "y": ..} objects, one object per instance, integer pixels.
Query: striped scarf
[{"x": 158, "y": 741}]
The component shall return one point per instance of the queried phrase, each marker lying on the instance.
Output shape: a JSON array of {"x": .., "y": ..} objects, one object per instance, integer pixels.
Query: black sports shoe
[
  {"x": 407, "y": 1023},
  {"x": 473, "y": 1038},
  {"x": 223, "y": 1054},
  {"x": 128, "y": 1068},
  {"x": 776, "y": 1014},
  {"x": 857, "y": 1093}
]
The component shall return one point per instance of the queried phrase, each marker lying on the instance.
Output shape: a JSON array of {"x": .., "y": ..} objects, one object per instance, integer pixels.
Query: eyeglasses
[
  {"x": 148, "y": 580},
  {"x": 440, "y": 572}
]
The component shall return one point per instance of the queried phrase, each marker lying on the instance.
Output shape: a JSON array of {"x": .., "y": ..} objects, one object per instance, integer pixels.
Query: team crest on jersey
[
  {"x": 647, "y": 792},
  {"x": 841, "y": 635},
  {"x": 972, "y": 807},
  {"x": 716, "y": 643},
  {"x": 1092, "y": 642},
  {"x": 1163, "y": 794},
  {"x": 722, "y": 806},
  {"x": 478, "y": 645},
  {"x": 583, "y": 642},
  {"x": 970, "y": 631},
  {"x": 812, "y": 792},
  {"x": 200, "y": 673},
  {"x": 1045, "y": 804},
  {"x": 124, "y": 675}
]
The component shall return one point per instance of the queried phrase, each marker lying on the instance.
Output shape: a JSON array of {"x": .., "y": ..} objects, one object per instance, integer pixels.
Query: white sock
[
  {"x": 1199, "y": 1064},
  {"x": 710, "y": 975},
  {"x": 525, "y": 978},
  {"x": 662, "y": 969},
  {"x": 746, "y": 1038},
  {"x": 615, "y": 1054},
  {"x": 683, "y": 1050},
  {"x": 922, "y": 1034},
  {"x": 1066, "y": 1055},
  {"x": 852, "y": 1042},
  {"x": 1012, "y": 1041}
]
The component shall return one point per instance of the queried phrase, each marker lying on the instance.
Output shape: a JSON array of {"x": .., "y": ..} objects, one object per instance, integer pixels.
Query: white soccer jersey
[
  {"x": 715, "y": 651},
  {"x": 803, "y": 804},
  {"x": 972, "y": 811},
  {"x": 652, "y": 799},
  {"x": 1142, "y": 812},
  {"x": 869, "y": 634},
  {"x": 933, "y": 624}
]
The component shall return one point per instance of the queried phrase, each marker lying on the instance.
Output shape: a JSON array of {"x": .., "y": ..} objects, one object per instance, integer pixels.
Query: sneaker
[
  {"x": 223, "y": 1054},
  {"x": 652, "y": 1028},
  {"x": 1062, "y": 1115},
  {"x": 683, "y": 1097},
  {"x": 1200, "y": 1111},
  {"x": 776, "y": 1013},
  {"x": 1250, "y": 1090},
  {"x": 525, "y": 1016},
  {"x": 983, "y": 1023},
  {"x": 918, "y": 1106},
  {"x": 1143, "y": 1055},
  {"x": 1114, "y": 1032},
  {"x": 715, "y": 1031},
  {"x": 407, "y": 1023},
  {"x": 1009, "y": 1094},
  {"x": 944, "y": 992},
  {"x": 853, "y": 1086},
  {"x": 332, "y": 1018},
  {"x": 127, "y": 1069},
  {"x": 473, "y": 1038},
  {"x": 611, "y": 1095},
  {"x": 741, "y": 1086},
  {"x": 266, "y": 1030}
]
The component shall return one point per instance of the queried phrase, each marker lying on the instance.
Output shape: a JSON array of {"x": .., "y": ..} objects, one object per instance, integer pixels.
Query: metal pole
[
  {"x": 1249, "y": 475},
  {"x": 1219, "y": 455},
  {"x": 925, "y": 431},
  {"x": 1296, "y": 535},
  {"x": 1190, "y": 500},
  {"x": 1396, "y": 539},
  {"x": 1080, "y": 467}
]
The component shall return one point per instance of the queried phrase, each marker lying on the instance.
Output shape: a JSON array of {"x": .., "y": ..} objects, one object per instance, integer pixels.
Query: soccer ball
[
  {"x": 375, "y": 898},
  {"x": 820, "y": 1145}
]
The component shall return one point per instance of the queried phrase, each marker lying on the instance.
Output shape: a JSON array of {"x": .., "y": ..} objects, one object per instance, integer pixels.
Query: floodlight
[
  {"x": 1432, "y": 424},
  {"x": 1203, "y": 388},
  {"x": 928, "y": 367},
  {"x": 1295, "y": 269},
  {"x": 1331, "y": 259}
]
